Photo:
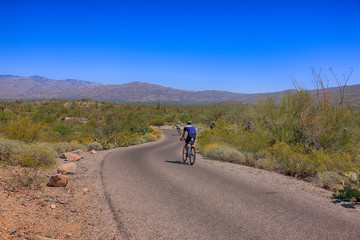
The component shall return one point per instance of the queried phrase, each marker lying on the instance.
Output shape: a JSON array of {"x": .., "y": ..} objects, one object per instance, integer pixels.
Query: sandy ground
[{"x": 81, "y": 210}]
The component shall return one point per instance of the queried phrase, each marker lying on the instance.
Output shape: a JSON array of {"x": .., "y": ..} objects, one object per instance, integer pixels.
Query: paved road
[{"x": 154, "y": 196}]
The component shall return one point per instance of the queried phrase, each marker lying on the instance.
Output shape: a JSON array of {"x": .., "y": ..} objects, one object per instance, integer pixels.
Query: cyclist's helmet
[{"x": 188, "y": 122}]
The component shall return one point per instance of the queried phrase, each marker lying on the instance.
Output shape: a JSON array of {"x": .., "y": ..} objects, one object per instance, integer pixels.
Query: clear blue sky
[{"x": 239, "y": 46}]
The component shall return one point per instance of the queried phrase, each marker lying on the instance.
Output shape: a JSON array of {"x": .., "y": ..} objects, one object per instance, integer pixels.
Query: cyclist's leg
[{"x": 187, "y": 140}]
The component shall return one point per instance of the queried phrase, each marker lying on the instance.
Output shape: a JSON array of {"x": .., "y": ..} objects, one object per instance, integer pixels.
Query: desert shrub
[
  {"x": 63, "y": 129},
  {"x": 293, "y": 160},
  {"x": 265, "y": 163},
  {"x": 36, "y": 156},
  {"x": 62, "y": 147},
  {"x": 158, "y": 122},
  {"x": 330, "y": 179},
  {"x": 223, "y": 152},
  {"x": 49, "y": 147},
  {"x": 23, "y": 129},
  {"x": 94, "y": 146},
  {"x": 156, "y": 132},
  {"x": 303, "y": 161},
  {"x": 234, "y": 135},
  {"x": 8, "y": 148},
  {"x": 121, "y": 139},
  {"x": 149, "y": 137},
  {"x": 26, "y": 177},
  {"x": 5, "y": 116}
]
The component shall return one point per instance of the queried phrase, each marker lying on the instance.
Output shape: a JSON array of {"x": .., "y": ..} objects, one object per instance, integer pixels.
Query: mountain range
[{"x": 37, "y": 87}]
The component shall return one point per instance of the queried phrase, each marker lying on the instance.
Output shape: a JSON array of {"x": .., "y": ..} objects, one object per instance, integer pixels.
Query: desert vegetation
[
  {"x": 305, "y": 136},
  {"x": 313, "y": 137},
  {"x": 34, "y": 133}
]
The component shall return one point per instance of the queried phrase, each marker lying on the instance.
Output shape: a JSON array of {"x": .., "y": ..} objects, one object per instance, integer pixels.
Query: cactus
[{"x": 351, "y": 187}]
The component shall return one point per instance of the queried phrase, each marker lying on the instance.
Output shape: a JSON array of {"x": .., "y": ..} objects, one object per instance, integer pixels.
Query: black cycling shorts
[{"x": 189, "y": 137}]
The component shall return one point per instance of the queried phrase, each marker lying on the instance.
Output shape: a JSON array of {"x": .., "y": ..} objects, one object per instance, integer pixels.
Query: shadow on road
[
  {"x": 176, "y": 162},
  {"x": 346, "y": 204}
]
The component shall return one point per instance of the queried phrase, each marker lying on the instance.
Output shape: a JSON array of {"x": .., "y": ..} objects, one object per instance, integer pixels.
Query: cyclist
[
  {"x": 190, "y": 129},
  {"x": 178, "y": 127}
]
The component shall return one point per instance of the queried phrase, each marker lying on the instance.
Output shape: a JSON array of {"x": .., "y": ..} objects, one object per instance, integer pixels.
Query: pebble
[
  {"x": 52, "y": 206},
  {"x": 85, "y": 190},
  {"x": 14, "y": 230},
  {"x": 73, "y": 210}
]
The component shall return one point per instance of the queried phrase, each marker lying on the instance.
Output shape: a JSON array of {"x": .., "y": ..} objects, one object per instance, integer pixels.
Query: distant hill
[{"x": 36, "y": 87}]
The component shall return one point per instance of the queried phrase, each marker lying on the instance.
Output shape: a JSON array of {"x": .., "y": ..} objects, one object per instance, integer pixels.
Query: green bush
[
  {"x": 36, "y": 156},
  {"x": 144, "y": 139},
  {"x": 158, "y": 122},
  {"x": 62, "y": 147},
  {"x": 8, "y": 148},
  {"x": 223, "y": 152},
  {"x": 294, "y": 161},
  {"x": 265, "y": 163},
  {"x": 24, "y": 130},
  {"x": 63, "y": 129},
  {"x": 330, "y": 179},
  {"x": 94, "y": 146}
]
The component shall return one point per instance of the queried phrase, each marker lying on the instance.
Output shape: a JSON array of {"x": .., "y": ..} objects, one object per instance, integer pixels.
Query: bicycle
[
  {"x": 189, "y": 152},
  {"x": 178, "y": 130}
]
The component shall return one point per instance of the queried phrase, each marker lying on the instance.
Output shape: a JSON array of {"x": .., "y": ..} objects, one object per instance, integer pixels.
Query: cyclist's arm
[{"x": 183, "y": 134}]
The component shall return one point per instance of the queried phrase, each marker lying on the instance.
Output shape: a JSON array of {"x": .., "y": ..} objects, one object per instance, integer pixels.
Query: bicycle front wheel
[
  {"x": 192, "y": 156},
  {"x": 184, "y": 154}
]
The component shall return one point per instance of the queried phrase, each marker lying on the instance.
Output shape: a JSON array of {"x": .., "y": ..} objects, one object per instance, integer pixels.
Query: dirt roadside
[{"x": 77, "y": 211}]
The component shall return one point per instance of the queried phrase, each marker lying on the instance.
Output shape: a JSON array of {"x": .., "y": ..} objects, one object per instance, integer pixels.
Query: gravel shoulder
[{"x": 82, "y": 210}]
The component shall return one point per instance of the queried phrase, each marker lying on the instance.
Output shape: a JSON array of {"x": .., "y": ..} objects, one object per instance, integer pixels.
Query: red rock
[
  {"x": 69, "y": 168},
  {"x": 72, "y": 157},
  {"x": 58, "y": 180},
  {"x": 79, "y": 152}
]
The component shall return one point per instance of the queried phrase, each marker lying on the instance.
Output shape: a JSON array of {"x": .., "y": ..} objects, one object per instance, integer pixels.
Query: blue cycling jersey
[{"x": 190, "y": 129}]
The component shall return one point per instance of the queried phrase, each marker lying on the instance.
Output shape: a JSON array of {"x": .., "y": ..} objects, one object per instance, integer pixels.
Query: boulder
[
  {"x": 69, "y": 168},
  {"x": 70, "y": 156},
  {"x": 93, "y": 151},
  {"x": 79, "y": 152},
  {"x": 58, "y": 180}
]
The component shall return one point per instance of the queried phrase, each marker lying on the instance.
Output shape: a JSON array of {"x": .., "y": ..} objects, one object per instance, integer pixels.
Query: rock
[
  {"x": 85, "y": 190},
  {"x": 69, "y": 168},
  {"x": 14, "y": 230},
  {"x": 72, "y": 157},
  {"x": 93, "y": 151},
  {"x": 79, "y": 152},
  {"x": 52, "y": 206},
  {"x": 58, "y": 180}
]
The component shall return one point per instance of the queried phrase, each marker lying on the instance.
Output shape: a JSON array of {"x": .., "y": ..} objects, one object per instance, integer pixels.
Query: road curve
[{"x": 154, "y": 196}]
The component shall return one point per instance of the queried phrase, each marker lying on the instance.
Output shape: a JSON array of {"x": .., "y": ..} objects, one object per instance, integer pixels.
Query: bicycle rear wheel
[
  {"x": 192, "y": 156},
  {"x": 184, "y": 154}
]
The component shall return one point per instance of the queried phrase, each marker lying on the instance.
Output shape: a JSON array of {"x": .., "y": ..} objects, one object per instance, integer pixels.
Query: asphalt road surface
[{"x": 153, "y": 195}]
